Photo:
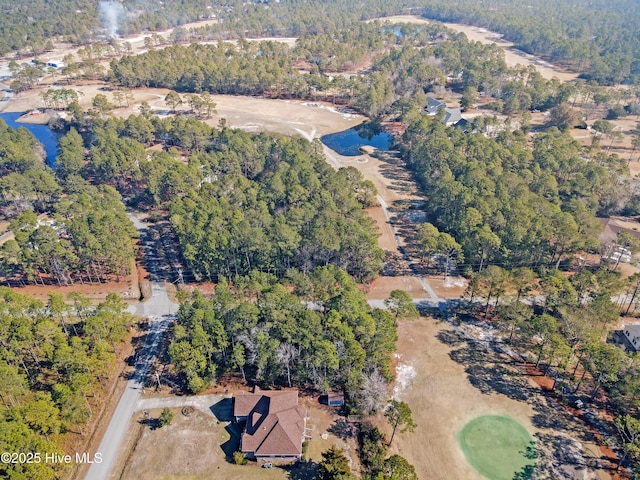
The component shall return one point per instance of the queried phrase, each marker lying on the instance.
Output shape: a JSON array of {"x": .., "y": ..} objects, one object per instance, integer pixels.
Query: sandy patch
[
  {"x": 452, "y": 287},
  {"x": 393, "y": 182},
  {"x": 405, "y": 374},
  {"x": 387, "y": 240},
  {"x": 286, "y": 117},
  {"x": 513, "y": 56},
  {"x": 381, "y": 287}
]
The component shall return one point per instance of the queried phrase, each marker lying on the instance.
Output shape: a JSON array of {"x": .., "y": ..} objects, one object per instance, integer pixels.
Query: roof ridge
[{"x": 281, "y": 427}]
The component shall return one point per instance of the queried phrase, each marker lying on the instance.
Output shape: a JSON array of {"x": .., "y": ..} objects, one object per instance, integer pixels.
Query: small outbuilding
[
  {"x": 335, "y": 399},
  {"x": 58, "y": 65},
  {"x": 632, "y": 335}
]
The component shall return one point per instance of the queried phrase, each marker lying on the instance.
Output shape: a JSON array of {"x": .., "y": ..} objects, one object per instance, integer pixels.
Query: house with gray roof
[
  {"x": 632, "y": 335},
  {"x": 451, "y": 115}
]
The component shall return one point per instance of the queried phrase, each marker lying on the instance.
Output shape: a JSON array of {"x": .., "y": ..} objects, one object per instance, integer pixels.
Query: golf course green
[{"x": 498, "y": 447}]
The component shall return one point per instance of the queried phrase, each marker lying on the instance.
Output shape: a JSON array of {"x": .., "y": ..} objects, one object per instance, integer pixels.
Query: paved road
[{"x": 160, "y": 311}]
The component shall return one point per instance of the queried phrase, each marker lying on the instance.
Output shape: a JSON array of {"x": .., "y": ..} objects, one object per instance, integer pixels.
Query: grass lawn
[{"x": 498, "y": 447}]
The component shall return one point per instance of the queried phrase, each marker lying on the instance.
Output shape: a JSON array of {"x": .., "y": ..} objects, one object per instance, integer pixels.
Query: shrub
[
  {"x": 166, "y": 417},
  {"x": 240, "y": 458}
]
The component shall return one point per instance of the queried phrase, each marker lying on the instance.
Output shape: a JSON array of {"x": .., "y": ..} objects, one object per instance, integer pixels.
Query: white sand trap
[
  {"x": 405, "y": 373},
  {"x": 451, "y": 282}
]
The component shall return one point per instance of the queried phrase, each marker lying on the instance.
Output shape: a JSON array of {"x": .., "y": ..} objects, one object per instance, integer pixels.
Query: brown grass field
[
  {"x": 448, "y": 382},
  {"x": 195, "y": 447}
]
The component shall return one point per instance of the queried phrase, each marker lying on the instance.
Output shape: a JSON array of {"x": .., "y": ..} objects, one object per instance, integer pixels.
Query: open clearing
[
  {"x": 198, "y": 446},
  {"x": 188, "y": 448},
  {"x": 513, "y": 56},
  {"x": 448, "y": 382}
]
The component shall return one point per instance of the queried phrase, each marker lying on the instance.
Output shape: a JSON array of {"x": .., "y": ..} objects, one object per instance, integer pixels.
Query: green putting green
[{"x": 498, "y": 447}]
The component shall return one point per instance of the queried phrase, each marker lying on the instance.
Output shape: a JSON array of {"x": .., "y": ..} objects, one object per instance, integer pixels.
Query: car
[
  {"x": 267, "y": 465},
  {"x": 579, "y": 404}
]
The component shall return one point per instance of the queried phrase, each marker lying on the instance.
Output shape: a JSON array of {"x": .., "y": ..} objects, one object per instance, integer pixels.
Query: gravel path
[{"x": 204, "y": 403}]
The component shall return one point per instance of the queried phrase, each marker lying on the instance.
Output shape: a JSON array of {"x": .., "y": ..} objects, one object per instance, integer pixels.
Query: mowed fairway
[
  {"x": 496, "y": 446},
  {"x": 452, "y": 384},
  {"x": 443, "y": 401}
]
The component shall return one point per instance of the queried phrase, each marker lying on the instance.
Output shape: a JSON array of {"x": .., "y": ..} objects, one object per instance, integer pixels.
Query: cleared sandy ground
[{"x": 513, "y": 56}]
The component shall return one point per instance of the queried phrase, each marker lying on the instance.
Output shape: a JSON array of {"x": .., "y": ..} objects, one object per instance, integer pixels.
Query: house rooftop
[
  {"x": 277, "y": 400},
  {"x": 433, "y": 105},
  {"x": 613, "y": 225},
  {"x": 452, "y": 116},
  {"x": 634, "y": 330},
  {"x": 275, "y": 422}
]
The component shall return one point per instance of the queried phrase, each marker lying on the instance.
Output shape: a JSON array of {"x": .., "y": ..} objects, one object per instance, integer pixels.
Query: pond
[
  {"x": 348, "y": 142},
  {"x": 43, "y": 133}
]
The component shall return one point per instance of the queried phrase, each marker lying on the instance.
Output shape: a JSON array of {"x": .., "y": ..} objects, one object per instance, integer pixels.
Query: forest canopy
[
  {"x": 243, "y": 201},
  {"x": 323, "y": 334},
  {"x": 65, "y": 230}
]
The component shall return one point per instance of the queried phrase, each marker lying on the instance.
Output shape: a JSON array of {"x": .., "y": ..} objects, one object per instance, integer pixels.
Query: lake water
[
  {"x": 349, "y": 141},
  {"x": 43, "y": 133}
]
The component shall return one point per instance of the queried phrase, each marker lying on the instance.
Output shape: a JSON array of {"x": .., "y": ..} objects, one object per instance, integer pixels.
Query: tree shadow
[
  {"x": 162, "y": 257},
  {"x": 303, "y": 470},
  {"x": 553, "y": 417},
  {"x": 223, "y": 410},
  {"x": 152, "y": 423},
  {"x": 342, "y": 429},
  {"x": 497, "y": 379},
  {"x": 525, "y": 474},
  {"x": 450, "y": 338}
]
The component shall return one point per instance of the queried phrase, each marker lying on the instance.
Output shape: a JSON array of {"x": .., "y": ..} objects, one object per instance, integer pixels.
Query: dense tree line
[
  {"x": 31, "y": 26},
  {"x": 275, "y": 204},
  {"x": 408, "y": 62},
  {"x": 506, "y": 203},
  {"x": 243, "y": 201},
  {"x": 323, "y": 335},
  {"x": 597, "y": 38},
  {"x": 249, "y": 68},
  {"x": 55, "y": 360},
  {"x": 83, "y": 233},
  {"x": 33, "y": 23}
]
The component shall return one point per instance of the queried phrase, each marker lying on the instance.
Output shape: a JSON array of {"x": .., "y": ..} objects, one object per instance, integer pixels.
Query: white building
[{"x": 632, "y": 334}]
